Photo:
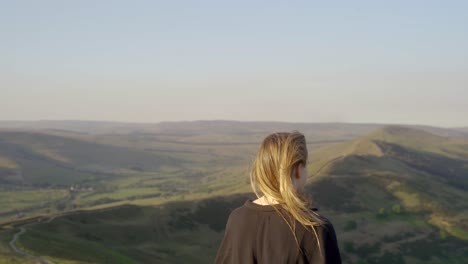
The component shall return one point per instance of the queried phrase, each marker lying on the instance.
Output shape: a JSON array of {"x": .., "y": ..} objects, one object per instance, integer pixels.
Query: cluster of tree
[{"x": 382, "y": 213}]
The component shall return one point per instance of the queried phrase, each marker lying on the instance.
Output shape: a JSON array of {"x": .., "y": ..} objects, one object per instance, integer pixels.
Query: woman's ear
[{"x": 297, "y": 170}]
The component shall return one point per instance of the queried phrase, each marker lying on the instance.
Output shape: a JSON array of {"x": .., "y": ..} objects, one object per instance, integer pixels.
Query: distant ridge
[
  {"x": 373, "y": 144},
  {"x": 221, "y": 126}
]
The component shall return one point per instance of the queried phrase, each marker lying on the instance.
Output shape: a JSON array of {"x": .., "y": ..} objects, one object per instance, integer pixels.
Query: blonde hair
[{"x": 271, "y": 173}]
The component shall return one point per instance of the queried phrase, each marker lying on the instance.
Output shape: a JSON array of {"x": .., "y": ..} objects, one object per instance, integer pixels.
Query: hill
[
  {"x": 462, "y": 129},
  {"x": 396, "y": 194},
  {"x": 378, "y": 143},
  {"x": 420, "y": 171},
  {"x": 42, "y": 173},
  {"x": 40, "y": 159}
]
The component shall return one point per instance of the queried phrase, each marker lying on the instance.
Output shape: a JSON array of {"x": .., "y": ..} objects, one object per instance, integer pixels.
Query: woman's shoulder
[
  {"x": 325, "y": 224},
  {"x": 238, "y": 212},
  {"x": 249, "y": 209},
  {"x": 326, "y": 246},
  {"x": 323, "y": 227}
]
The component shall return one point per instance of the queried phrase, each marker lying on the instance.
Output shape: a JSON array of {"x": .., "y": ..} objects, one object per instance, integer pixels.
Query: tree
[
  {"x": 442, "y": 234},
  {"x": 396, "y": 208},
  {"x": 381, "y": 213}
]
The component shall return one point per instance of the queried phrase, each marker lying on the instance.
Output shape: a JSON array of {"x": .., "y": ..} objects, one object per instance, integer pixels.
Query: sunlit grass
[
  {"x": 17, "y": 199},
  {"x": 7, "y": 163}
]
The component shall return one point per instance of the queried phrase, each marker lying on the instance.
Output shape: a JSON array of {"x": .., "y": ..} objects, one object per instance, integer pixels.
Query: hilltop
[
  {"x": 379, "y": 142},
  {"x": 421, "y": 171}
]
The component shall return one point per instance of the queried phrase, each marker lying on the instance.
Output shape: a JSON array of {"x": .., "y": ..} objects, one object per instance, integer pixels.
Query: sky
[{"x": 403, "y": 62}]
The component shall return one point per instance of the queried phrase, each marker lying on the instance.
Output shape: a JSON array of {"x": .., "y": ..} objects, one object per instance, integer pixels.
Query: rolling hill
[
  {"x": 396, "y": 194},
  {"x": 36, "y": 158},
  {"x": 420, "y": 171}
]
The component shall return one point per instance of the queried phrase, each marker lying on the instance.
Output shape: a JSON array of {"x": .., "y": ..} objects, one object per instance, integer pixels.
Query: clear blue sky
[{"x": 307, "y": 61}]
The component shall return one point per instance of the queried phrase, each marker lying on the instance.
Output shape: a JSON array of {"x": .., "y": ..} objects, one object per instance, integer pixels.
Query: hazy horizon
[
  {"x": 147, "y": 62},
  {"x": 226, "y": 120}
]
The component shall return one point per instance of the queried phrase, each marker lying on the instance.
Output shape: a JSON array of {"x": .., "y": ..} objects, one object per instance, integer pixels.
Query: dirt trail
[{"x": 21, "y": 251}]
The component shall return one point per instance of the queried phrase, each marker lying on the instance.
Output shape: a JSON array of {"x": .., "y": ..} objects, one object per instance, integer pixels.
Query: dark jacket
[{"x": 258, "y": 234}]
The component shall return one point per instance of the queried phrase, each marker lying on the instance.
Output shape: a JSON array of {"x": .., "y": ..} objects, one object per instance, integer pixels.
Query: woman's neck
[{"x": 264, "y": 200}]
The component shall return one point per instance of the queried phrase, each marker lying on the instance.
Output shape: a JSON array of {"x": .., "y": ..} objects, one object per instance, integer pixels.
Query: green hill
[
  {"x": 395, "y": 195},
  {"x": 42, "y": 174},
  {"x": 420, "y": 171},
  {"x": 379, "y": 141},
  {"x": 36, "y": 158}
]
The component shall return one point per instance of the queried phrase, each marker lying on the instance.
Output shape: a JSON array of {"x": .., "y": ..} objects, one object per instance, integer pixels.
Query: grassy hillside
[
  {"x": 36, "y": 167},
  {"x": 190, "y": 231},
  {"x": 377, "y": 142},
  {"x": 173, "y": 233},
  {"x": 396, "y": 194},
  {"x": 18, "y": 147},
  {"x": 115, "y": 163},
  {"x": 406, "y": 178}
]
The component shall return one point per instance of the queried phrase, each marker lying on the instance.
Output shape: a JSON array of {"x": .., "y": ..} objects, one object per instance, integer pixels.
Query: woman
[{"x": 279, "y": 226}]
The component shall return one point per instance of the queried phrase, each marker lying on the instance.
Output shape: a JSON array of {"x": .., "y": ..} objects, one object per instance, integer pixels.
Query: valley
[{"x": 121, "y": 193}]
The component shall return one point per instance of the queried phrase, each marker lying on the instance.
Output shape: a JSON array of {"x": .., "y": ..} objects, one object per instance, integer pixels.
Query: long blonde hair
[{"x": 279, "y": 154}]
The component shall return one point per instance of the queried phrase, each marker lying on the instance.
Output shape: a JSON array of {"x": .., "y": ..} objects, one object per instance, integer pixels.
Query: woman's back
[
  {"x": 258, "y": 234},
  {"x": 280, "y": 227}
]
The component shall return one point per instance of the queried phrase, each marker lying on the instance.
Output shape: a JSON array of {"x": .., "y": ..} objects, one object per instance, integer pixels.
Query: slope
[
  {"x": 422, "y": 172},
  {"x": 35, "y": 159}
]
